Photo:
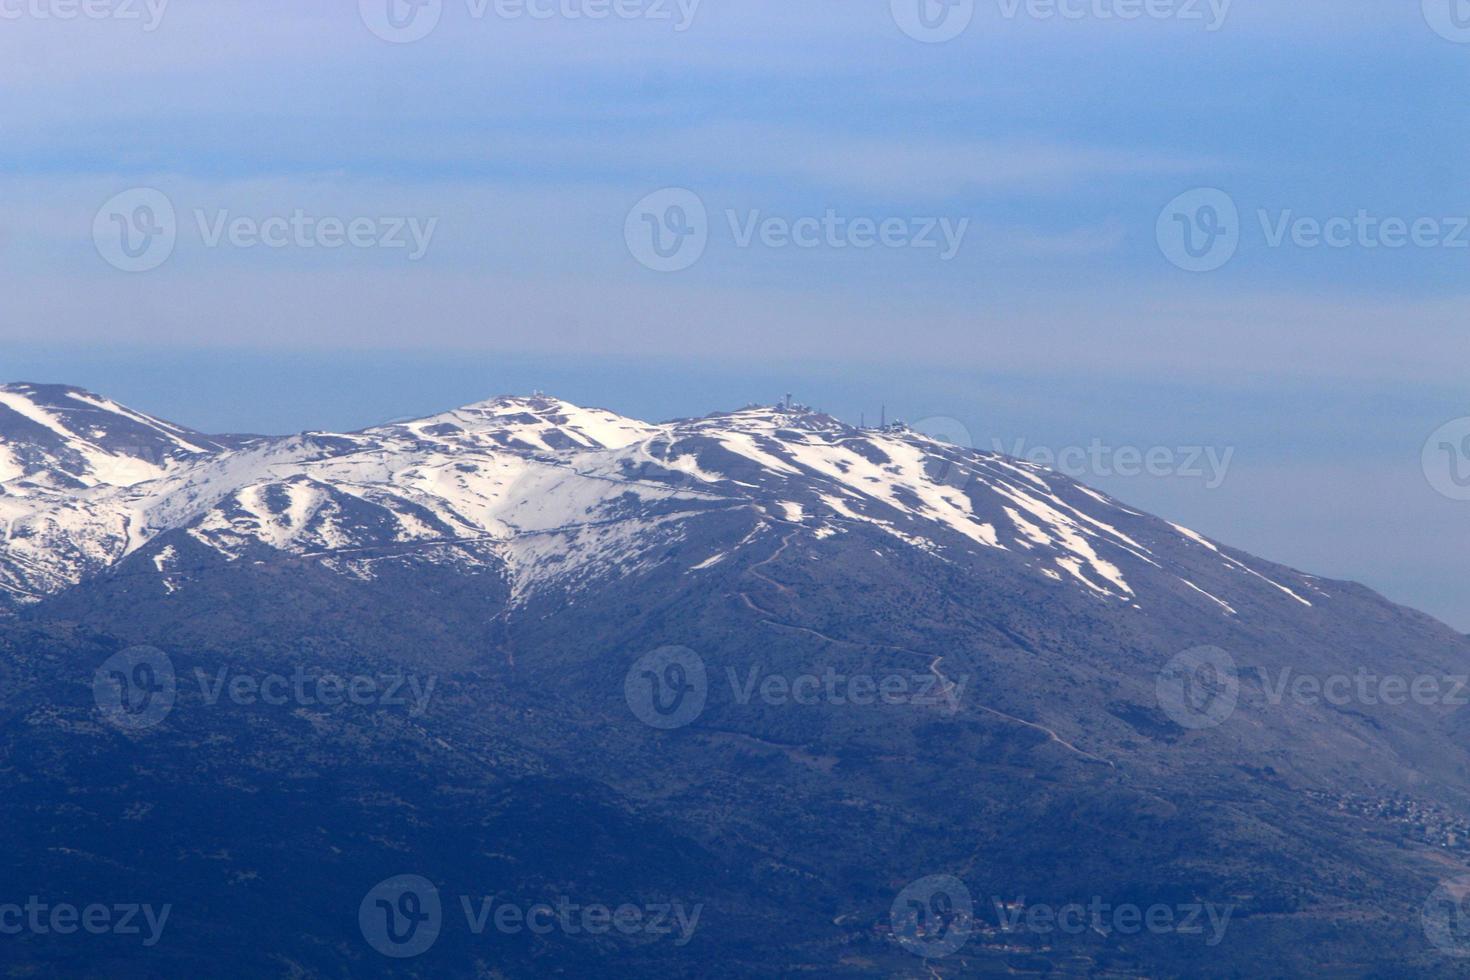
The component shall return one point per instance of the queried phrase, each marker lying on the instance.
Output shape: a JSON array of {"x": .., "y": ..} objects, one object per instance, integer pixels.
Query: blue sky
[{"x": 1060, "y": 319}]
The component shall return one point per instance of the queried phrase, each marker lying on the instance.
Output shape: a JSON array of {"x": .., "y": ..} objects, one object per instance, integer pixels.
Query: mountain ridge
[{"x": 510, "y": 467}]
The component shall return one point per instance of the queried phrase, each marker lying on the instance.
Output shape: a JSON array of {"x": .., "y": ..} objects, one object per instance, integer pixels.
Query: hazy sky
[{"x": 1241, "y": 227}]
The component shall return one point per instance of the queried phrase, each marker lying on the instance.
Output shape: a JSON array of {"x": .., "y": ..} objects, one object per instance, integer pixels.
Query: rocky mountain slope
[{"x": 762, "y": 661}]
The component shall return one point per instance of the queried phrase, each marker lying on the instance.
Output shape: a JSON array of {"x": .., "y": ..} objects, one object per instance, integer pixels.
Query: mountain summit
[{"x": 548, "y": 492}]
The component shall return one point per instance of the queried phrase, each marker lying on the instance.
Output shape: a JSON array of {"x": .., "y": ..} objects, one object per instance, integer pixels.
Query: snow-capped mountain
[
  {"x": 553, "y": 495},
  {"x": 529, "y": 557},
  {"x": 62, "y": 451},
  {"x": 54, "y": 437}
]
